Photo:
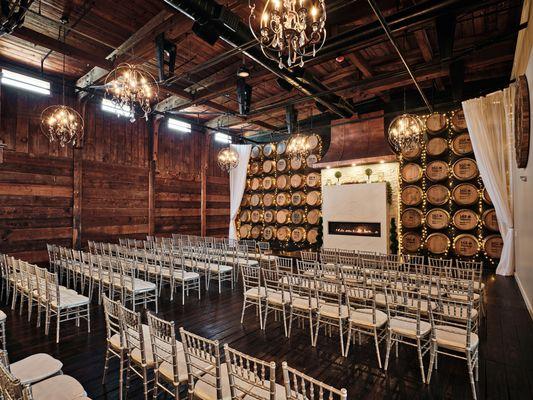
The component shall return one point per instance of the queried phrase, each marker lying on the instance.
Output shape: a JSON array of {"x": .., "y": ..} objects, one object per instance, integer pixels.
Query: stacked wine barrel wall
[
  {"x": 283, "y": 196},
  {"x": 445, "y": 210}
]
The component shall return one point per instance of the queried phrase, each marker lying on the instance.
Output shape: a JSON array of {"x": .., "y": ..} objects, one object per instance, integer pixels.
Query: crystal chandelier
[
  {"x": 61, "y": 123},
  {"x": 405, "y": 132},
  {"x": 228, "y": 159},
  {"x": 297, "y": 146},
  {"x": 290, "y": 30},
  {"x": 129, "y": 86}
]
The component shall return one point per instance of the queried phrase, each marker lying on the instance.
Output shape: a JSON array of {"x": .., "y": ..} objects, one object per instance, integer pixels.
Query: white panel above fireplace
[{"x": 356, "y": 203}]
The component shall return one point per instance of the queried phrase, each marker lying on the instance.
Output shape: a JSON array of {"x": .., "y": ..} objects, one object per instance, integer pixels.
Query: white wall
[
  {"x": 356, "y": 203},
  {"x": 523, "y": 212}
]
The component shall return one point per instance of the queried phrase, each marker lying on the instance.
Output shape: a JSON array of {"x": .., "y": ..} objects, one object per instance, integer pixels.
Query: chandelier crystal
[
  {"x": 297, "y": 146},
  {"x": 290, "y": 30},
  {"x": 405, "y": 132},
  {"x": 62, "y": 124},
  {"x": 228, "y": 159},
  {"x": 129, "y": 86}
]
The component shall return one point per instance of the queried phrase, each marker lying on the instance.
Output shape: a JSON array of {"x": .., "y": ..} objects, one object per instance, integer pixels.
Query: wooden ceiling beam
[
  {"x": 357, "y": 60},
  {"x": 58, "y": 46}
]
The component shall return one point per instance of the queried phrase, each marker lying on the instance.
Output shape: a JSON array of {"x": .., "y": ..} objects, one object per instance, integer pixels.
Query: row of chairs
[
  {"x": 426, "y": 312},
  {"x": 37, "y": 287},
  {"x": 197, "y": 362}
]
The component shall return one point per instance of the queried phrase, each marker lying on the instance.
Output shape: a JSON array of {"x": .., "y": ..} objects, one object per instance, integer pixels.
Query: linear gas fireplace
[{"x": 372, "y": 229}]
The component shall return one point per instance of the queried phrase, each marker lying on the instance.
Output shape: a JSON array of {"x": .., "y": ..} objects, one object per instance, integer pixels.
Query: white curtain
[
  {"x": 490, "y": 124},
  {"x": 237, "y": 184}
]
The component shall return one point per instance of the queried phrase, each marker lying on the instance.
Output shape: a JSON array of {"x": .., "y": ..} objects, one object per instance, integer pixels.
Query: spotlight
[{"x": 243, "y": 72}]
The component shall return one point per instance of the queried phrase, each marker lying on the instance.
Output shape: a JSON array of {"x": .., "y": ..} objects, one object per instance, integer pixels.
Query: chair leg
[
  {"x": 145, "y": 383},
  {"x": 265, "y": 319},
  {"x": 348, "y": 340},
  {"x": 314, "y": 340},
  {"x": 389, "y": 346},
  {"x": 106, "y": 365},
  {"x": 243, "y": 308},
  {"x": 284, "y": 312},
  {"x": 471, "y": 373},
  {"x": 58, "y": 320},
  {"x": 420, "y": 360},
  {"x": 376, "y": 342},
  {"x": 432, "y": 354}
]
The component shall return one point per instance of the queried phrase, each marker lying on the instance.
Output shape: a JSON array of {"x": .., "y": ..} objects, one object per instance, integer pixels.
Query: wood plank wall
[{"x": 37, "y": 182}]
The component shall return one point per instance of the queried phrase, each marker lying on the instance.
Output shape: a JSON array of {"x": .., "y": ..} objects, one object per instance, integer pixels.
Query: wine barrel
[
  {"x": 298, "y": 199},
  {"x": 313, "y": 217},
  {"x": 412, "y": 218},
  {"x": 458, "y": 121},
  {"x": 465, "y": 169},
  {"x": 269, "y": 216},
  {"x": 244, "y": 216},
  {"x": 268, "y": 166},
  {"x": 244, "y": 231},
  {"x": 313, "y": 141},
  {"x": 412, "y": 195},
  {"x": 436, "y": 146},
  {"x": 282, "y": 216},
  {"x": 461, "y": 144},
  {"x": 298, "y": 235},
  {"x": 311, "y": 160},
  {"x": 465, "y": 219},
  {"x": 255, "y": 200},
  {"x": 437, "y": 218},
  {"x": 255, "y": 184},
  {"x": 296, "y": 163},
  {"x": 281, "y": 165},
  {"x": 313, "y": 179},
  {"x": 411, "y": 173},
  {"x": 268, "y": 199},
  {"x": 437, "y": 170},
  {"x": 490, "y": 221},
  {"x": 281, "y": 148},
  {"x": 438, "y": 195},
  {"x": 268, "y": 183},
  {"x": 282, "y": 182},
  {"x": 436, "y": 123},
  {"x": 312, "y": 235},
  {"x": 486, "y": 197},
  {"x": 245, "y": 200},
  {"x": 283, "y": 233},
  {"x": 269, "y": 233},
  {"x": 412, "y": 152},
  {"x": 269, "y": 149},
  {"x": 256, "y": 152},
  {"x": 298, "y": 217},
  {"x": 411, "y": 242},
  {"x": 256, "y": 231},
  {"x": 437, "y": 243},
  {"x": 254, "y": 168},
  {"x": 282, "y": 199},
  {"x": 493, "y": 245},
  {"x": 313, "y": 198},
  {"x": 256, "y": 216},
  {"x": 465, "y": 245},
  {"x": 297, "y": 181},
  {"x": 465, "y": 194}
]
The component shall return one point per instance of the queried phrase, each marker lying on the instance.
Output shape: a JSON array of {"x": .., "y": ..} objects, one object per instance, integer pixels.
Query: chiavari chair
[
  {"x": 299, "y": 386},
  {"x": 479, "y": 286},
  {"x": 135, "y": 290},
  {"x": 250, "y": 377},
  {"x": 309, "y": 256},
  {"x": 453, "y": 334},
  {"x": 254, "y": 292},
  {"x": 33, "y": 368},
  {"x": 170, "y": 367},
  {"x": 276, "y": 299},
  {"x": 331, "y": 312},
  {"x": 284, "y": 264},
  {"x": 303, "y": 300},
  {"x": 218, "y": 268},
  {"x": 308, "y": 268}
]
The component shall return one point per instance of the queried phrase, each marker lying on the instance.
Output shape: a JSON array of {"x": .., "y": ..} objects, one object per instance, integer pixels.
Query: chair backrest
[
  {"x": 133, "y": 332},
  {"x": 164, "y": 343},
  {"x": 404, "y": 304},
  {"x": 299, "y": 386},
  {"x": 10, "y": 387},
  {"x": 414, "y": 259},
  {"x": 251, "y": 277},
  {"x": 328, "y": 258},
  {"x": 348, "y": 260},
  {"x": 307, "y": 267},
  {"x": 309, "y": 255},
  {"x": 284, "y": 264},
  {"x": 250, "y": 377},
  {"x": 113, "y": 320},
  {"x": 263, "y": 247},
  {"x": 271, "y": 278},
  {"x": 440, "y": 262},
  {"x": 52, "y": 288},
  {"x": 475, "y": 266},
  {"x": 300, "y": 286},
  {"x": 203, "y": 361},
  {"x": 329, "y": 292}
]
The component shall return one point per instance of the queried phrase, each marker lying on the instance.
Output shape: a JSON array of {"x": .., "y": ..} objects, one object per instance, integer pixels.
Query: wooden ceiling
[{"x": 101, "y": 34}]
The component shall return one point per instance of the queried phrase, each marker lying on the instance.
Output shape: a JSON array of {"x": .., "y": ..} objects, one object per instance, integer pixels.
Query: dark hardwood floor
[{"x": 506, "y": 363}]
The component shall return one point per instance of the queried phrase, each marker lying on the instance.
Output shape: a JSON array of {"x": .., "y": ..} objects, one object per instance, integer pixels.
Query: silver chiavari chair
[
  {"x": 284, "y": 264},
  {"x": 303, "y": 300},
  {"x": 254, "y": 292},
  {"x": 309, "y": 256},
  {"x": 276, "y": 299},
  {"x": 299, "y": 386},
  {"x": 308, "y": 268},
  {"x": 479, "y": 285}
]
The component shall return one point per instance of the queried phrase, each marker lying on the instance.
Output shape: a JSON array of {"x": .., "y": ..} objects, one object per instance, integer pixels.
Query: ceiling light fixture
[
  {"x": 243, "y": 71},
  {"x": 227, "y": 159}
]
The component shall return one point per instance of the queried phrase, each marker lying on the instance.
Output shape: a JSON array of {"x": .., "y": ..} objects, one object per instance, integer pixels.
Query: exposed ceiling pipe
[{"x": 233, "y": 31}]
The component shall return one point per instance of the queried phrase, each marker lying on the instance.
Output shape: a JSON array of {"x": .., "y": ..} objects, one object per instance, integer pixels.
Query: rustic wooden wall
[{"x": 38, "y": 191}]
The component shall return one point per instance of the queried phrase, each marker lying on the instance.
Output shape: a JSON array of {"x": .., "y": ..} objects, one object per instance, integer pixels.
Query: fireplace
[{"x": 371, "y": 229}]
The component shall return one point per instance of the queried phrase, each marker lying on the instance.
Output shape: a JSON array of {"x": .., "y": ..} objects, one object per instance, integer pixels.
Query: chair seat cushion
[
  {"x": 303, "y": 303},
  {"x": 458, "y": 312},
  {"x": 407, "y": 327},
  {"x": 60, "y": 387},
  {"x": 220, "y": 268},
  {"x": 256, "y": 292},
  {"x": 69, "y": 300},
  {"x": 136, "y": 353},
  {"x": 333, "y": 311},
  {"x": 454, "y": 338},
  {"x": 167, "y": 372},
  {"x": 364, "y": 317},
  {"x": 3, "y": 316},
  {"x": 35, "y": 368},
  {"x": 279, "y": 297}
]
